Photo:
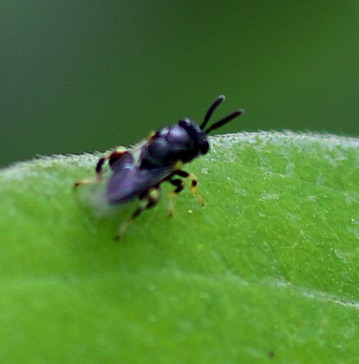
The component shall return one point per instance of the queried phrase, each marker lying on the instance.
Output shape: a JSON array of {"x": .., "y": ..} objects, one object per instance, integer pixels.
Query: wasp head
[{"x": 183, "y": 141}]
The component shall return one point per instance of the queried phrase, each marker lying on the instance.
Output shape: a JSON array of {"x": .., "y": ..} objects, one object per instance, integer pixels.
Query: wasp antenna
[
  {"x": 224, "y": 121},
  {"x": 210, "y": 111}
]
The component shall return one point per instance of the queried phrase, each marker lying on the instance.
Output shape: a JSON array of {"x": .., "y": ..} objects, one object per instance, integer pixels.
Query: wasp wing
[{"x": 129, "y": 181}]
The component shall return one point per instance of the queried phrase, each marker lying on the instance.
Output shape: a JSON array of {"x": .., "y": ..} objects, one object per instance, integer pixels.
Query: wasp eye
[{"x": 204, "y": 146}]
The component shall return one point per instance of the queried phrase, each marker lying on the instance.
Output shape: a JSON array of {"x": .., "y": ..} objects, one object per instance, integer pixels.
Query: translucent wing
[{"x": 128, "y": 181}]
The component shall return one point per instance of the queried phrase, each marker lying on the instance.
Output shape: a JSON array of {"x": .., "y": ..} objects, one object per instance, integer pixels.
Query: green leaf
[{"x": 267, "y": 269}]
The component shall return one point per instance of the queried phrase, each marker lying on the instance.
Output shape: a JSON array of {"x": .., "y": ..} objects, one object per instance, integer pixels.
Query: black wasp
[{"x": 140, "y": 171}]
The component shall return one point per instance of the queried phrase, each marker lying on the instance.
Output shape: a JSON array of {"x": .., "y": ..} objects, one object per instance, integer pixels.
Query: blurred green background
[{"x": 88, "y": 75}]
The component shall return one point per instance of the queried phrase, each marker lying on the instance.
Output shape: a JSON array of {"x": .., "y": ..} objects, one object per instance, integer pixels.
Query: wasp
[{"x": 138, "y": 173}]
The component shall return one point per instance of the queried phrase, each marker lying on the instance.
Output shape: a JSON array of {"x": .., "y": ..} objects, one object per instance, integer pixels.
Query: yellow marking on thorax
[{"x": 178, "y": 165}]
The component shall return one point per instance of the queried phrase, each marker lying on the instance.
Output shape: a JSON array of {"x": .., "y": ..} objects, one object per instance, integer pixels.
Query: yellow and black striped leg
[
  {"x": 178, "y": 183},
  {"x": 179, "y": 187},
  {"x": 149, "y": 200},
  {"x": 194, "y": 183}
]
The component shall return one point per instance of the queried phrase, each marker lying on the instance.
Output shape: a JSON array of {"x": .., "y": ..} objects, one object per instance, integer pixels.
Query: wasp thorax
[{"x": 181, "y": 142}]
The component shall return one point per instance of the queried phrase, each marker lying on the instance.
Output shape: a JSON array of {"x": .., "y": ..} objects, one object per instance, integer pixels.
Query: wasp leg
[
  {"x": 194, "y": 183},
  {"x": 111, "y": 158},
  {"x": 149, "y": 200},
  {"x": 98, "y": 178},
  {"x": 178, "y": 183}
]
